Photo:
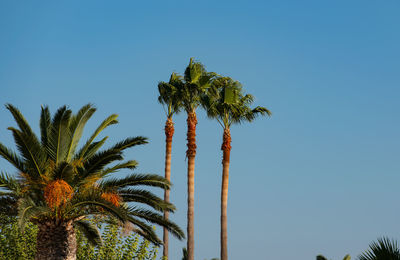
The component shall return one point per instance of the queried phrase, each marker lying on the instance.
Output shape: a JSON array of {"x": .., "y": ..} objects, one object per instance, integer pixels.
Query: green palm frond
[
  {"x": 20, "y": 120},
  {"x": 129, "y": 142},
  {"x": 92, "y": 149},
  {"x": 101, "y": 159},
  {"x": 90, "y": 231},
  {"x": 32, "y": 152},
  {"x": 145, "y": 197},
  {"x": 76, "y": 127},
  {"x": 132, "y": 164},
  {"x": 144, "y": 230},
  {"x": 45, "y": 124},
  {"x": 10, "y": 183},
  {"x": 157, "y": 219},
  {"x": 59, "y": 135},
  {"x": 28, "y": 209},
  {"x": 12, "y": 158},
  {"x": 88, "y": 207},
  {"x": 111, "y": 120},
  {"x": 135, "y": 180},
  {"x": 383, "y": 249},
  {"x": 63, "y": 171}
]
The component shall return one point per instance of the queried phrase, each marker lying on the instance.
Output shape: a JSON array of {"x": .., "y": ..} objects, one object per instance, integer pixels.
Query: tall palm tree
[
  {"x": 226, "y": 103},
  {"x": 196, "y": 81},
  {"x": 384, "y": 249},
  {"x": 169, "y": 97},
  {"x": 58, "y": 187}
]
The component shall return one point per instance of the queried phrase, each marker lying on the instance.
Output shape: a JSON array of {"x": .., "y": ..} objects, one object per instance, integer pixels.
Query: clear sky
[{"x": 321, "y": 176}]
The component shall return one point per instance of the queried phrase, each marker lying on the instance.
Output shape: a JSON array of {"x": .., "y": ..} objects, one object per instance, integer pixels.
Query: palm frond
[
  {"x": 97, "y": 162},
  {"x": 112, "y": 119},
  {"x": 27, "y": 209},
  {"x": 10, "y": 183},
  {"x": 91, "y": 150},
  {"x": 77, "y": 125},
  {"x": 88, "y": 207},
  {"x": 90, "y": 231},
  {"x": 135, "y": 180},
  {"x": 157, "y": 219},
  {"x": 383, "y": 249},
  {"x": 12, "y": 158},
  {"x": 144, "y": 230},
  {"x": 60, "y": 135},
  {"x": 132, "y": 164},
  {"x": 45, "y": 124},
  {"x": 129, "y": 142},
  {"x": 32, "y": 152},
  {"x": 21, "y": 121},
  {"x": 145, "y": 197},
  {"x": 63, "y": 171}
]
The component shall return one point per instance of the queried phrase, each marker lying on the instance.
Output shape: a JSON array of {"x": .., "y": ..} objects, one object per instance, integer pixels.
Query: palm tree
[
  {"x": 59, "y": 187},
  {"x": 196, "y": 82},
  {"x": 169, "y": 98},
  {"x": 384, "y": 249},
  {"x": 226, "y": 103}
]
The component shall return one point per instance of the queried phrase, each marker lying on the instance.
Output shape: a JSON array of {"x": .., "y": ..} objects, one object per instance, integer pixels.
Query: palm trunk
[
  {"x": 226, "y": 148},
  {"x": 169, "y": 132},
  {"x": 56, "y": 241},
  {"x": 191, "y": 154}
]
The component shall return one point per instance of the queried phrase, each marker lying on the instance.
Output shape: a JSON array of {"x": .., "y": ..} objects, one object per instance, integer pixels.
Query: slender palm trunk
[
  {"x": 226, "y": 148},
  {"x": 169, "y": 133},
  {"x": 191, "y": 154},
  {"x": 56, "y": 241}
]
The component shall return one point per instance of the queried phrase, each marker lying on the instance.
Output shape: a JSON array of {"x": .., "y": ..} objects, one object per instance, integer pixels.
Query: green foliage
[
  {"x": 383, "y": 249},
  {"x": 226, "y": 102},
  {"x": 116, "y": 246},
  {"x": 17, "y": 245}
]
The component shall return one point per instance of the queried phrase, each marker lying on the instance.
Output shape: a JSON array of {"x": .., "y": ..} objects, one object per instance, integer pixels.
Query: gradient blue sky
[{"x": 321, "y": 176}]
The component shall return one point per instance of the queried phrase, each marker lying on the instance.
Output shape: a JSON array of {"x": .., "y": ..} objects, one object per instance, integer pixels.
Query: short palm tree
[
  {"x": 196, "y": 81},
  {"x": 384, "y": 249},
  {"x": 169, "y": 97},
  {"x": 226, "y": 103},
  {"x": 58, "y": 187}
]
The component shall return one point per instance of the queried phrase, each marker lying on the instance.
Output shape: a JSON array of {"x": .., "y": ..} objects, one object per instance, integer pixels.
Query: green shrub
[{"x": 18, "y": 245}]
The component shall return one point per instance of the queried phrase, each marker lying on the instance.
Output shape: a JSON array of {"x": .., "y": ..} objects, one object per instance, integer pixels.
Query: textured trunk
[
  {"x": 226, "y": 148},
  {"x": 191, "y": 154},
  {"x": 169, "y": 133},
  {"x": 56, "y": 241}
]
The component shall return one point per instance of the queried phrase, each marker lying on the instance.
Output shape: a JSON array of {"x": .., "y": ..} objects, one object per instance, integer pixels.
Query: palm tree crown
[
  {"x": 226, "y": 103},
  {"x": 196, "y": 81},
  {"x": 169, "y": 94},
  {"x": 60, "y": 183}
]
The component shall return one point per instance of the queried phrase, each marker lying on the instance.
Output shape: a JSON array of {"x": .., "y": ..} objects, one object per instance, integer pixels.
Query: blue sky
[{"x": 320, "y": 176}]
